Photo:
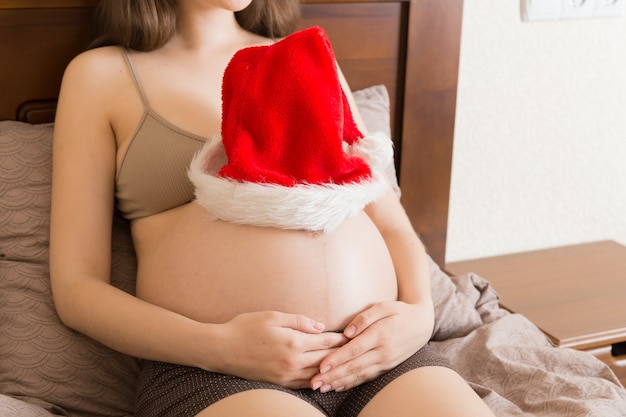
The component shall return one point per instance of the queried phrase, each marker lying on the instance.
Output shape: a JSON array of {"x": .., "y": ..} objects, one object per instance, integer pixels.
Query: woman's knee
[{"x": 430, "y": 390}]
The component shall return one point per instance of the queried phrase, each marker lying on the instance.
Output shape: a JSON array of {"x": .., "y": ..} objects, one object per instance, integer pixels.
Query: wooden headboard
[{"x": 410, "y": 46}]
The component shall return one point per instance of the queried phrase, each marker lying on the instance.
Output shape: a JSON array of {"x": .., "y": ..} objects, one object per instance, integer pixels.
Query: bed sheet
[{"x": 510, "y": 363}]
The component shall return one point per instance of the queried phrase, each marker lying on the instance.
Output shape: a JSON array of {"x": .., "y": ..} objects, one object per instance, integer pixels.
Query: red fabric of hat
[{"x": 285, "y": 115}]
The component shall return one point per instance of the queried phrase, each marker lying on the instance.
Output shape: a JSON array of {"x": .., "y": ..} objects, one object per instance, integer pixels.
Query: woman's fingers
[
  {"x": 352, "y": 364},
  {"x": 365, "y": 319},
  {"x": 298, "y": 322},
  {"x": 364, "y": 368}
]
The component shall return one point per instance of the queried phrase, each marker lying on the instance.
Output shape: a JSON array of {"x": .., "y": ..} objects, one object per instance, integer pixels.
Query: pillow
[
  {"x": 42, "y": 361},
  {"x": 373, "y": 105}
]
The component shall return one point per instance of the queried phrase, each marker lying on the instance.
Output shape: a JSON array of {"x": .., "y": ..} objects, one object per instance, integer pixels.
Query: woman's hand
[
  {"x": 283, "y": 349},
  {"x": 382, "y": 337}
]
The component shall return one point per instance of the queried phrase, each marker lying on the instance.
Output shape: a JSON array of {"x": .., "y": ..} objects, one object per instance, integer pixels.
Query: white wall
[{"x": 540, "y": 143}]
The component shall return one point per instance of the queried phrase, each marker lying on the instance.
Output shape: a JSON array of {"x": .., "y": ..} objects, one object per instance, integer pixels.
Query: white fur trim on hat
[{"x": 302, "y": 207}]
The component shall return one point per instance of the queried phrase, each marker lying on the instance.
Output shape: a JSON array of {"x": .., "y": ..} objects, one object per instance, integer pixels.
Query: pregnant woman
[{"x": 232, "y": 318}]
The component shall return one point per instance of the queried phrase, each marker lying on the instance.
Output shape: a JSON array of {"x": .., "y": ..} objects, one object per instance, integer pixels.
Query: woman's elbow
[{"x": 61, "y": 300}]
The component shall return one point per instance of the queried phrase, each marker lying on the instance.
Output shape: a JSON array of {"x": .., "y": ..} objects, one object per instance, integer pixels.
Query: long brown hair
[{"x": 145, "y": 25}]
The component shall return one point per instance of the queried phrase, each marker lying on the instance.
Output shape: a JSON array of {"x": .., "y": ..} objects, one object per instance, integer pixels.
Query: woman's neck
[{"x": 207, "y": 29}]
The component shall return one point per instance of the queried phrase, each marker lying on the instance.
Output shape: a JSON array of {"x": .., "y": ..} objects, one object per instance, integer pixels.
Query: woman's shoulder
[
  {"x": 95, "y": 69},
  {"x": 96, "y": 61},
  {"x": 93, "y": 80}
]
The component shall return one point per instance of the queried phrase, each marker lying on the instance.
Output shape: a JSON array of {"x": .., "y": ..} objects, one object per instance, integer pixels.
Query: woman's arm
[{"x": 84, "y": 155}]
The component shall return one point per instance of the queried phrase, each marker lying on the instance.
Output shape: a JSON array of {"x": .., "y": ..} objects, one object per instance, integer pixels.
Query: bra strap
[{"x": 133, "y": 71}]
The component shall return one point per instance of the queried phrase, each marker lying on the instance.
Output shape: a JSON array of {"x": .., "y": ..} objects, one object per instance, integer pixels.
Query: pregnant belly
[{"x": 212, "y": 271}]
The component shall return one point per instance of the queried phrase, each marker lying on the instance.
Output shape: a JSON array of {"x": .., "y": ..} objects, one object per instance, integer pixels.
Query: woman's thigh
[
  {"x": 261, "y": 403},
  {"x": 427, "y": 391}
]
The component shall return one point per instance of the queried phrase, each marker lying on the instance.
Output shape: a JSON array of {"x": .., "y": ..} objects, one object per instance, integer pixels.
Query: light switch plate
[
  {"x": 609, "y": 8},
  {"x": 541, "y": 9},
  {"x": 577, "y": 9},
  {"x": 532, "y": 10}
]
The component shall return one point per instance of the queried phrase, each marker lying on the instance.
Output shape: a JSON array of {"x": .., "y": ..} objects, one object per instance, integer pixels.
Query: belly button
[{"x": 315, "y": 233}]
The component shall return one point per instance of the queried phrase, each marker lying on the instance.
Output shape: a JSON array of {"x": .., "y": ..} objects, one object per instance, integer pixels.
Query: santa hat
[{"x": 290, "y": 155}]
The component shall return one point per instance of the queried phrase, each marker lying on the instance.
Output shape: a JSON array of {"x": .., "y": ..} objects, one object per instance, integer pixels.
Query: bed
[{"x": 401, "y": 57}]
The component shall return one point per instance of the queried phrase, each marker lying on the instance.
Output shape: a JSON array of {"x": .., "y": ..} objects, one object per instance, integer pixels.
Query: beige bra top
[{"x": 152, "y": 176}]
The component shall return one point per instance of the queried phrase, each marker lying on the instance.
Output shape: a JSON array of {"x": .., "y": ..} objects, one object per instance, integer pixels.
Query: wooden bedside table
[{"x": 575, "y": 294}]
